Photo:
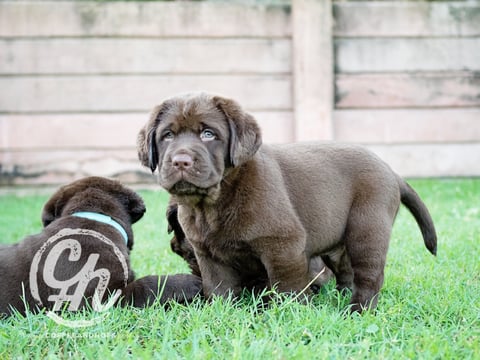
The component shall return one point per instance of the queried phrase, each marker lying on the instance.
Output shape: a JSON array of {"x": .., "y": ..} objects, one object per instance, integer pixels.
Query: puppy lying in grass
[{"x": 83, "y": 252}]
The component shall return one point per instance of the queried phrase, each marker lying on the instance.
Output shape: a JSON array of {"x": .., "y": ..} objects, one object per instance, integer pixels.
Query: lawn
[{"x": 429, "y": 306}]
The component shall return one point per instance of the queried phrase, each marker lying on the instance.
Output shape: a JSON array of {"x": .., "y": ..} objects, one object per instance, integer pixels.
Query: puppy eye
[
  {"x": 168, "y": 136},
  {"x": 207, "y": 135}
]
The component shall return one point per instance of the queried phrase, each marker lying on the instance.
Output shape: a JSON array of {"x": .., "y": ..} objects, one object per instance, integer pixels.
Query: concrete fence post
[{"x": 313, "y": 77}]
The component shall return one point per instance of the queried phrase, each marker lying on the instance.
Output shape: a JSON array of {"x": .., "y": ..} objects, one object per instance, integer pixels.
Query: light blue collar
[{"x": 103, "y": 219}]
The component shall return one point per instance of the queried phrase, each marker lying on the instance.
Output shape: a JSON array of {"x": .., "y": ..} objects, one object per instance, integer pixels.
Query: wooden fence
[{"x": 77, "y": 79}]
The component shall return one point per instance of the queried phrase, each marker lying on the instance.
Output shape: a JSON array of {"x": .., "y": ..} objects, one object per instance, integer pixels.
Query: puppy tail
[{"x": 420, "y": 212}]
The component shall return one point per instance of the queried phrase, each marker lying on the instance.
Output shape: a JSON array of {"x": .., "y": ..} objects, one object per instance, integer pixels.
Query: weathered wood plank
[
  {"x": 407, "y": 126},
  {"x": 408, "y": 90},
  {"x": 35, "y": 167},
  {"x": 105, "y": 131},
  {"x": 136, "y": 93},
  {"x": 54, "y": 167},
  {"x": 70, "y": 131},
  {"x": 399, "y": 55},
  {"x": 431, "y": 160},
  {"x": 313, "y": 69},
  {"x": 157, "y": 19},
  {"x": 276, "y": 127},
  {"x": 409, "y": 18},
  {"x": 93, "y": 131},
  {"x": 143, "y": 56}
]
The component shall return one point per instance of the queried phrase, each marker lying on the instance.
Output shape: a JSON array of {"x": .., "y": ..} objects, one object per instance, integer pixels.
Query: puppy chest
[
  {"x": 237, "y": 256},
  {"x": 227, "y": 250}
]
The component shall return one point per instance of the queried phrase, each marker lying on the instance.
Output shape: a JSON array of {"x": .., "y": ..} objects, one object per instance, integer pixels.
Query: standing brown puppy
[{"x": 251, "y": 210}]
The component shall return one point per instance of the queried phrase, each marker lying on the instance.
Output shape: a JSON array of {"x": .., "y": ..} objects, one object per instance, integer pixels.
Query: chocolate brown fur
[
  {"x": 93, "y": 194},
  {"x": 251, "y": 210},
  {"x": 180, "y": 245},
  {"x": 181, "y": 288}
]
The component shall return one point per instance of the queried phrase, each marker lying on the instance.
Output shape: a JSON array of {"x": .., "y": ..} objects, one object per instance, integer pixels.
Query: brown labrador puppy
[
  {"x": 84, "y": 247},
  {"x": 248, "y": 209}
]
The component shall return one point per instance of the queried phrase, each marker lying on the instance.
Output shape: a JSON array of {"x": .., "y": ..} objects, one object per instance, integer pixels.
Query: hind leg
[
  {"x": 319, "y": 273},
  {"x": 366, "y": 242},
  {"x": 339, "y": 262}
]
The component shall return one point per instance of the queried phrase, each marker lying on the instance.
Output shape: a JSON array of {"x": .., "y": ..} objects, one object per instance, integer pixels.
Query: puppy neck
[{"x": 103, "y": 219}]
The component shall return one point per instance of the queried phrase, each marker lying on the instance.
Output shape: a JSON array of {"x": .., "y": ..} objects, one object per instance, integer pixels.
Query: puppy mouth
[
  {"x": 193, "y": 182},
  {"x": 184, "y": 187}
]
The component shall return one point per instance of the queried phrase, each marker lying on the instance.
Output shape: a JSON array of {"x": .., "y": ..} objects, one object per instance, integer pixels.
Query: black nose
[{"x": 182, "y": 161}]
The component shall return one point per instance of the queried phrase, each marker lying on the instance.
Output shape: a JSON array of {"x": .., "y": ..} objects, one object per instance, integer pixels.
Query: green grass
[{"x": 429, "y": 307}]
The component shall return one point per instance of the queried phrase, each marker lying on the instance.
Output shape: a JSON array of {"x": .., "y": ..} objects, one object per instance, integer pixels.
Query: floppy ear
[
  {"x": 172, "y": 217},
  {"x": 245, "y": 134},
  {"x": 136, "y": 206},
  {"x": 146, "y": 144},
  {"x": 54, "y": 206},
  {"x": 50, "y": 211}
]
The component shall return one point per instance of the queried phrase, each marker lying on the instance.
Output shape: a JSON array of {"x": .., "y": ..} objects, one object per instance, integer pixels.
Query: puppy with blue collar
[{"x": 81, "y": 258}]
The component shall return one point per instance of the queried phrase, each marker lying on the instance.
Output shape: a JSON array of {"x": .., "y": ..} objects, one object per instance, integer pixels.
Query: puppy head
[
  {"x": 194, "y": 138},
  {"x": 94, "y": 194}
]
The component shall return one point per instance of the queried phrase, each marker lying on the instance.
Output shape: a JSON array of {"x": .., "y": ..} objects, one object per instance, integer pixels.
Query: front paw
[
  {"x": 145, "y": 291},
  {"x": 182, "y": 288}
]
